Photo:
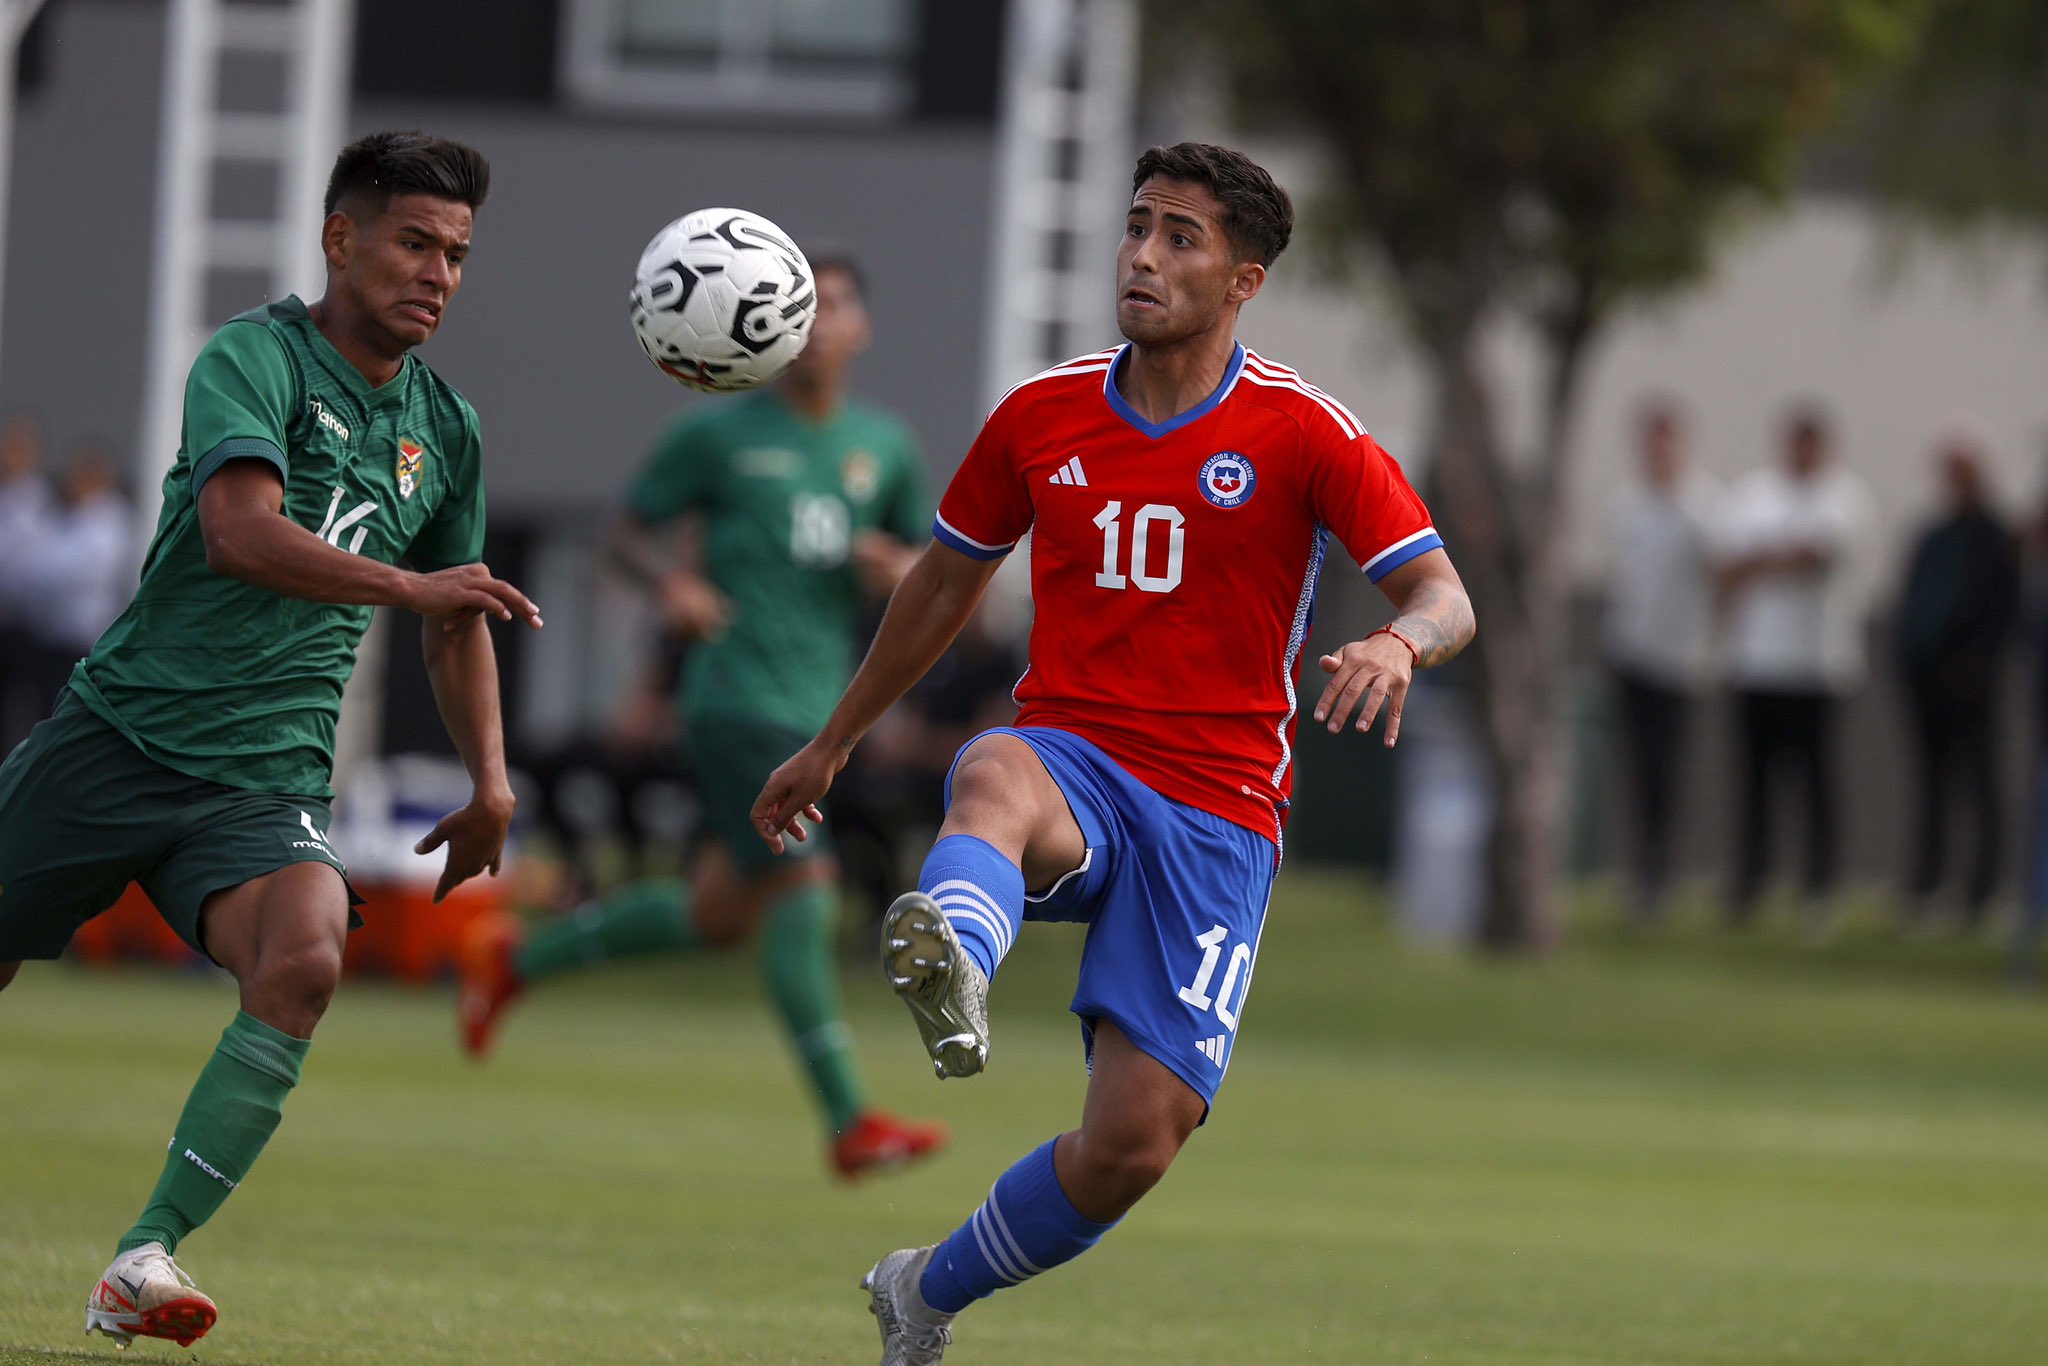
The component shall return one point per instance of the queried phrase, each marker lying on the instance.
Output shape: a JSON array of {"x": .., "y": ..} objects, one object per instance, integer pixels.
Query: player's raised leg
[
  {"x": 500, "y": 958},
  {"x": 281, "y": 936},
  {"x": 1050, "y": 1207},
  {"x": 1007, "y": 827}
]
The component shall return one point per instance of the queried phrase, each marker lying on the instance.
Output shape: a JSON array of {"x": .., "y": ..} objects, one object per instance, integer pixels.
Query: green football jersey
[
  {"x": 782, "y": 497},
  {"x": 226, "y": 681}
]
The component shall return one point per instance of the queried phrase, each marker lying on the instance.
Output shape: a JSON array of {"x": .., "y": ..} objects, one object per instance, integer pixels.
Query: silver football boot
[
  {"x": 946, "y": 990},
  {"x": 913, "y": 1333}
]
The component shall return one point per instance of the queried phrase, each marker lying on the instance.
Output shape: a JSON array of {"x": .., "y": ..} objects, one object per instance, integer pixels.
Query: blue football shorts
[{"x": 1174, "y": 899}]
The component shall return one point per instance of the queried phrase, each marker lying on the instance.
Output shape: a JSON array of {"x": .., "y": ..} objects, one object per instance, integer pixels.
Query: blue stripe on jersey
[
  {"x": 973, "y": 550},
  {"x": 1392, "y": 559},
  {"x": 1178, "y": 420}
]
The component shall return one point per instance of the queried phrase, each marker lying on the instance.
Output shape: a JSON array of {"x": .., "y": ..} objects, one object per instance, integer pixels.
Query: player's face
[
  {"x": 1177, "y": 270},
  {"x": 401, "y": 267},
  {"x": 841, "y": 330}
]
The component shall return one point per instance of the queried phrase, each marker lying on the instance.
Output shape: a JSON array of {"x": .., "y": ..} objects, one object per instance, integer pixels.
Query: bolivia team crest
[
  {"x": 1228, "y": 479},
  {"x": 410, "y": 456},
  {"x": 860, "y": 474}
]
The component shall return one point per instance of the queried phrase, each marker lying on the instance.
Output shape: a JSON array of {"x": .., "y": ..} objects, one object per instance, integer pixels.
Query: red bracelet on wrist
[{"x": 1414, "y": 653}]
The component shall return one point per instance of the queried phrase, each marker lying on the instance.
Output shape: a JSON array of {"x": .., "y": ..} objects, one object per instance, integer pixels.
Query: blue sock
[
  {"x": 981, "y": 893},
  {"x": 1027, "y": 1225}
]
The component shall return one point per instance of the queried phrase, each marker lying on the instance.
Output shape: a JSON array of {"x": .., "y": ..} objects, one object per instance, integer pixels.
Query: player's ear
[
  {"x": 1245, "y": 284},
  {"x": 337, "y": 239}
]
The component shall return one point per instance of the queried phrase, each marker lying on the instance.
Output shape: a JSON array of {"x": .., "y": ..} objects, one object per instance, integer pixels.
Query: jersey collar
[
  {"x": 1155, "y": 430},
  {"x": 343, "y": 369}
]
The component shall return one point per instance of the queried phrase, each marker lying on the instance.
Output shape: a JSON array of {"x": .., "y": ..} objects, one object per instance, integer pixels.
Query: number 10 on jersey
[{"x": 1143, "y": 524}]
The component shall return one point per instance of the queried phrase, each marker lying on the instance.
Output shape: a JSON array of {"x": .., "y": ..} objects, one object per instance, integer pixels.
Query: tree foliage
[
  {"x": 1553, "y": 161},
  {"x": 1960, "y": 135}
]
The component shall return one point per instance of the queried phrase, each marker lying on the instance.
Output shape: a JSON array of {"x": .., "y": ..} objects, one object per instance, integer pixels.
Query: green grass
[{"x": 1684, "y": 1150}]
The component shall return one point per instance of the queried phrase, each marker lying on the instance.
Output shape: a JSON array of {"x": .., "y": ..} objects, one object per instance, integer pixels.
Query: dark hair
[
  {"x": 1257, "y": 214},
  {"x": 825, "y": 256},
  {"x": 372, "y": 169},
  {"x": 1660, "y": 410},
  {"x": 1807, "y": 420}
]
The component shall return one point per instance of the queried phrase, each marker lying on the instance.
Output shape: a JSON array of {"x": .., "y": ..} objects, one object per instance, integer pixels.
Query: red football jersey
[{"x": 1173, "y": 565}]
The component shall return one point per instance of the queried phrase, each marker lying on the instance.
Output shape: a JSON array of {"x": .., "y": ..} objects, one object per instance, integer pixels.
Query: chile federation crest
[{"x": 1228, "y": 479}]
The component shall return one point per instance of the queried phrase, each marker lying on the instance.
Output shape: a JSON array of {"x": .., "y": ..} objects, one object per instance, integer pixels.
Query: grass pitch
[{"x": 1684, "y": 1151}]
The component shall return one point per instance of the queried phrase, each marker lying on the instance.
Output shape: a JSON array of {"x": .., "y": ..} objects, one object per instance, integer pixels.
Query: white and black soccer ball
[{"x": 723, "y": 300}]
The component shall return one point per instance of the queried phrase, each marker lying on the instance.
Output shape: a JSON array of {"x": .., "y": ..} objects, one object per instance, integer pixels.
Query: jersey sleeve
[
  {"x": 986, "y": 509},
  {"x": 239, "y": 399},
  {"x": 680, "y": 474},
  {"x": 455, "y": 533},
  {"x": 906, "y": 512},
  {"x": 1362, "y": 495}
]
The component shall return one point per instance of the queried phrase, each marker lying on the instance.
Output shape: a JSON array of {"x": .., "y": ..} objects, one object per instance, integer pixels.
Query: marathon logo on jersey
[
  {"x": 327, "y": 419},
  {"x": 1228, "y": 479},
  {"x": 410, "y": 456}
]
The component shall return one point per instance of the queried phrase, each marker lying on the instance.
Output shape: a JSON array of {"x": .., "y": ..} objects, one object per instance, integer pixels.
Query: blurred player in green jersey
[
  {"x": 806, "y": 502},
  {"x": 323, "y": 472}
]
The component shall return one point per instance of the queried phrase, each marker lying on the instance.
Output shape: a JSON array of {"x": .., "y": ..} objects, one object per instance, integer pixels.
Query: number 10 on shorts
[{"x": 1236, "y": 978}]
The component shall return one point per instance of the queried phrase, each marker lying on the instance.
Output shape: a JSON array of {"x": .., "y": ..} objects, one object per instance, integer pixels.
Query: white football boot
[
  {"x": 946, "y": 990},
  {"x": 145, "y": 1294},
  {"x": 913, "y": 1333}
]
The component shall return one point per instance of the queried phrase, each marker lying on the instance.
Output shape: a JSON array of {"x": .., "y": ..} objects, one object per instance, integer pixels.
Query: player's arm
[
  {"x": 463, "y": 669},
  {"x": 690, "y": 605},
  {"x": 1433, "y": 622},
  {"x": 248, "y": 538},
  {"x": 924, "y": 614}
]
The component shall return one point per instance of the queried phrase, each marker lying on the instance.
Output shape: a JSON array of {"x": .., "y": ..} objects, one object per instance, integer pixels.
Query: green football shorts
[
  {"x": 83, "y": 813},
  {"x": 733, "y": 758}
]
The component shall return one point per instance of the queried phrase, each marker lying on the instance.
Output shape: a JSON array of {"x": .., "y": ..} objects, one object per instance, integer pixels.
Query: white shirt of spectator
[
  {"x": 82, "y": 574},
  {"x": 1799, "y": 631},
  {"x": 1659, "y": 598},
  {"x": 25, "y": 509}
]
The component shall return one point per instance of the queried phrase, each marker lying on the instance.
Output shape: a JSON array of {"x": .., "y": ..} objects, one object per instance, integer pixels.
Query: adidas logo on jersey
[
  {"x": 1070, "y": 473},
  {"x": 1211, "y": 1048}
]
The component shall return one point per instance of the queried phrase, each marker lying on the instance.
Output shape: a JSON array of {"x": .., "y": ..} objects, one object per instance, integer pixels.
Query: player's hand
[
  {"x": 692, "y": 609},
  {"x": 793, "y": 790},
  {"x": 475, "y": 837},
  {"x": 880, "y": 561},
  {"x": 1378, "y": 670},
  {"x": 469, "y": 590}
]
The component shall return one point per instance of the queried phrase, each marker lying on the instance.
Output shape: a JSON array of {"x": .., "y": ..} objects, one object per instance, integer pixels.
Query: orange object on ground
[
  {"x": 405, "y": 935},
  {"x": 130, "y": 928}
]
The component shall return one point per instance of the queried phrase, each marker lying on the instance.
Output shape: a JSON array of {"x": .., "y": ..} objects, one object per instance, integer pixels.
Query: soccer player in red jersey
[{"x": 1180, "y": 491}]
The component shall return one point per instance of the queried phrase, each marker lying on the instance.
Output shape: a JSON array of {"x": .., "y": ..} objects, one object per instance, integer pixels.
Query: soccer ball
[{"x": 723, "y": 300}]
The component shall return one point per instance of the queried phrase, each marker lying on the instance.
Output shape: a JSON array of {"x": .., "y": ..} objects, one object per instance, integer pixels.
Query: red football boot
[{"x": 876, "y": 1142}]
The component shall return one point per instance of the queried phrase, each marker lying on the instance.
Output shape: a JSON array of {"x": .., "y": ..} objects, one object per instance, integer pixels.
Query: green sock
[
  {"x": 233, "y": 1108},
  {"x": 799, "y": 964},
  {"x": 644, "y": 917}
]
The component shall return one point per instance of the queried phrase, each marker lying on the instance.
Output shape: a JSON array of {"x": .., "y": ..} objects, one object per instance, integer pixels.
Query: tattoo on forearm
[{"x": 1438, "y": 619}]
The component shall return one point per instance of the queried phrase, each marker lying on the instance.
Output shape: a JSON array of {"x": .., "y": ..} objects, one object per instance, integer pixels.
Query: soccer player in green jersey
[
  {"x": 807, "y": 503},
  {"x": 323, "y": 472}
]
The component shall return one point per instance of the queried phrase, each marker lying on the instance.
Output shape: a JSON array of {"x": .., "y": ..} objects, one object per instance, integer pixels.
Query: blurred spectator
[
  {"x": 1658, "y": 608},
  {"x": 2032, "y": 929},
  {"x": 24, "y": 510},
  {"x": 890, "y": 797},
  {"x": 84, "y": 568},
  {"x": 1791, "y": 584},
  {"x": 1956, "y": 614}
]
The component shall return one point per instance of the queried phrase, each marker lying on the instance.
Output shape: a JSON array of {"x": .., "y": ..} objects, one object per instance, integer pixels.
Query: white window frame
[{"x": 740, "y": 79}]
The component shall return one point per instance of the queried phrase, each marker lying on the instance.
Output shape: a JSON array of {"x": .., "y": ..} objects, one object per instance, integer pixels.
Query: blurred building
[{"x": 971, "y": 155}]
